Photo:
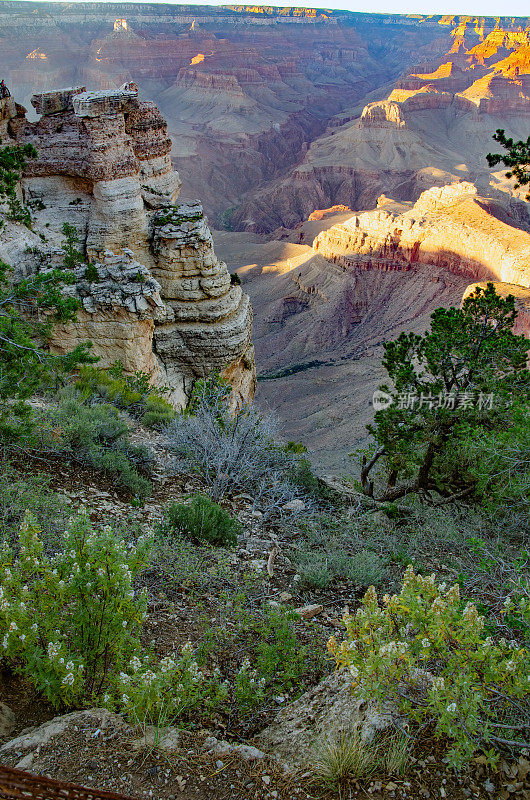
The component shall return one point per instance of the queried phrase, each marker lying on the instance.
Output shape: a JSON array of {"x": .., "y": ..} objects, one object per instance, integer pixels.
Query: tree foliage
[
  {"x": 28, "y": 309},
  {"x": 517, "y": 158},
  {"x": 13, "y": 161},
  {"x": 460, "y": 377}
]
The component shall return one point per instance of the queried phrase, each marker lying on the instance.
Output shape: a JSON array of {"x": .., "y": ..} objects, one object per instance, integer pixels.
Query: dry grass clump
[
  {"x": 339, "y": 755},
  {"x": 343, "y": 754}
]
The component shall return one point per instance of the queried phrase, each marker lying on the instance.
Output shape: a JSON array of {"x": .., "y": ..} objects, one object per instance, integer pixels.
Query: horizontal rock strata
[
  {"x": 158, "y": 299},
  {"x": 449, "y": 227}
]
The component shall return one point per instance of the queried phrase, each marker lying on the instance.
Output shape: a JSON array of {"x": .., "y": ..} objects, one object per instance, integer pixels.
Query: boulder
[
  {"x": 26, "y": 747},
  {"x": 7, "y": 720},
  {"x": 328, "y": 707}
]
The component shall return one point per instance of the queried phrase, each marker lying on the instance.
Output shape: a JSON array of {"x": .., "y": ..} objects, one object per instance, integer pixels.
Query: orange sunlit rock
[
  {"x": 120, "y": 25},
  {"x": 320, "y": 213},
  {"x": 37, "y": 54},
  {"x": 197, "y": 59}
]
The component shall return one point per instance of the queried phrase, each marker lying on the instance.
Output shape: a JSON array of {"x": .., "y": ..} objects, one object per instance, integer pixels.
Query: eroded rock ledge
[
  {"x": 162, "y": 301},
  {"x": 449, "y": 227}
]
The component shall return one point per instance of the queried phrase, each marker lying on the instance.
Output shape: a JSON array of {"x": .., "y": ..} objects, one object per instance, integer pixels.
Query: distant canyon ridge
[
  {"x": 340, "y": 158},
  {"x": 253, "y": 96}
]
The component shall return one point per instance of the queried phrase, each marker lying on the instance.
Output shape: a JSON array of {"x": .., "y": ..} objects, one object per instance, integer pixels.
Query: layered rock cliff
[
  {"x": 449, "y": 227},
  {"x": 162, "y": 302},
  {"x": 434, "y": 127},
  {"x": 245, "y": 90}
]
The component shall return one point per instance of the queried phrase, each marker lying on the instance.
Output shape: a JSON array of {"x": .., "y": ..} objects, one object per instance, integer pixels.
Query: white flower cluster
[
  {"x": 251, "y": 674},
  {"x": 394, "y": 649},
  {"x": 167, "y": 664},
  {"x": 135, "y": 663},
  {"x": 53, "y": 649}
]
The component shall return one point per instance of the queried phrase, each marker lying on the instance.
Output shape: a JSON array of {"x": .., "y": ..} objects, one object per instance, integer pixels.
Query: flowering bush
[
  {"x": 70, "y": 621},
  {"x": 428, "y": 653},
  {"x": 176, "y": 684},
  {"x": 249, "y": 689}
]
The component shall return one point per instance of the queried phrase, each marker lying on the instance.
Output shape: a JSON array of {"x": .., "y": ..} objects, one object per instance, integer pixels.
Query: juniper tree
[
  {"x": 465, "y": 375},
  {"x": 517, "y": 158}
]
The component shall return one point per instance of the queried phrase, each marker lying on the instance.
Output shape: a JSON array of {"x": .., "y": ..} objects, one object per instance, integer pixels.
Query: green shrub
[
  {"x": 132, "y": 393},
  {"x": 70, "y": 622},
  {"x": 319, "y": 568},
  {"x": 20, "y": 493},
  {"x": 277, "y": 660},
  {"x": 97, "y": 436},
  {"x": 157, "y": 412},
  {"x": 202, "y": 520},
  {"x": 480, "y": 695},
  {"x": 302, "y": 476}
]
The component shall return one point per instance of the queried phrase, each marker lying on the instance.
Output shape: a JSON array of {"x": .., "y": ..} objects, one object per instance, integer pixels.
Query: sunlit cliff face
[
  {"x": 200, "y": 57},
  {"x": 37, "y": 54},
  {"x": 120, "y": 24}
]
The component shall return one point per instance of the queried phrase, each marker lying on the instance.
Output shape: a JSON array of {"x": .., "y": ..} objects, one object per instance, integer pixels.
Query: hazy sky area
[{"x": 483, "y": 8}]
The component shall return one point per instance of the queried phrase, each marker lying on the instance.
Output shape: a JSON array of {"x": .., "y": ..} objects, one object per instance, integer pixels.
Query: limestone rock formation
[
  {"x": 159, "y": 299},
  {"x": 449, "y": 227},
  {"x": 329, "y": 708}
]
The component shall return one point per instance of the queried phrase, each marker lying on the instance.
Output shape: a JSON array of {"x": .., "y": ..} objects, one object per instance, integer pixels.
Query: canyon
[
  {"x": 339, "y": 156},
  {"x": 245, "y": 90},
  {"x": 325, "y": 308}
]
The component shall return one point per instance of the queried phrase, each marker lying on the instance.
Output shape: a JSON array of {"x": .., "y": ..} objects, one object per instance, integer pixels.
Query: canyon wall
[
  {"x": 433, "y": 128},
  {"x": 245, "y": 90},
  {"x": 158, "y": 298},
  {"x": 449, "y": 227}
]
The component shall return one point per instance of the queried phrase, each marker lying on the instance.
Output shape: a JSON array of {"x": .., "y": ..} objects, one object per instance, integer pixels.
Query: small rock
[
  {"x": 266, "y": 779},
  {"x": 219, "y": 764},
  {"x": 7, "y": 720},
  {"x": 285, "y": 597},
  {"x": 248, "y": 752},
  {"x": 308, "y": 612},
  {"x": 295, "y": 505},
  {"x": 391, "y": 787}
]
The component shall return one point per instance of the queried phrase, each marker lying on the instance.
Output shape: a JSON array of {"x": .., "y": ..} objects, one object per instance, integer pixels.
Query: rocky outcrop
[
  {"x": 326, "y": 710},
  {"x": 448, "y": 227},
  {"x": 109, "y": 154},
  {"x": 158, "y": 298}
]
